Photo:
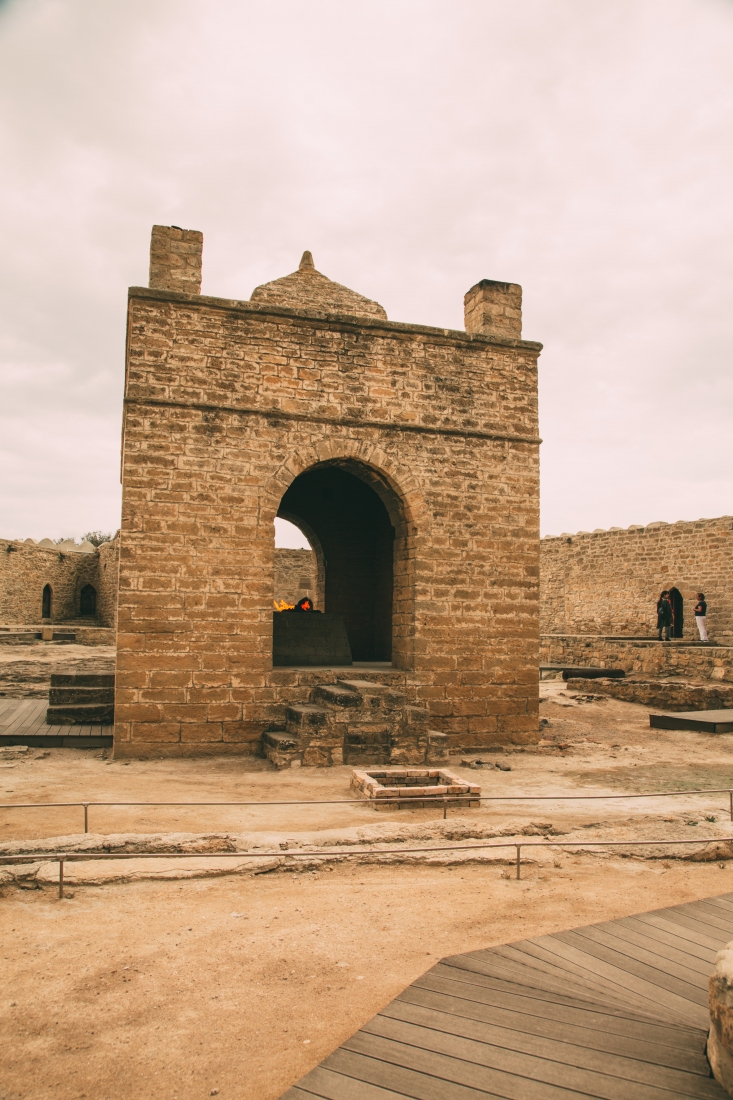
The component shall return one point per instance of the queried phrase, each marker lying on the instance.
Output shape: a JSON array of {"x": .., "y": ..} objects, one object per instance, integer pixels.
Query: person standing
[
  {"x": 664, "y": 615},
  {"x": 701, "y": 610}
]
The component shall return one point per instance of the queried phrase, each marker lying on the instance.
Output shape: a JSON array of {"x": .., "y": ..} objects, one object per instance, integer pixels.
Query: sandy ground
[
  {"x": 609, "y": 749},
  {"x": 243, "y": 983}
]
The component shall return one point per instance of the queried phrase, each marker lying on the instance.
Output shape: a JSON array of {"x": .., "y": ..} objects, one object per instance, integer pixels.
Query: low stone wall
[
  {"x": 671, "y": 695},
  {"x": 651, "y": 658}
]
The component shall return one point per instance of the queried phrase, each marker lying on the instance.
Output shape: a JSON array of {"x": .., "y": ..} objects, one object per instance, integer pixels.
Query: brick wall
[
  {"x": 226, "y": 404},
  {"x": 608, "y": 582},
  {"x": 107, "y": 570},
  {"x": 296, "y": 576},
  {"x": 26, "y": 568}
]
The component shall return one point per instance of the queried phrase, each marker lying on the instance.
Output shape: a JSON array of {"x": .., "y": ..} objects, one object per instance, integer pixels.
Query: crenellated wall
[
  {"x": 27, "y": 567},
  {"x": 608, "y": 582}
]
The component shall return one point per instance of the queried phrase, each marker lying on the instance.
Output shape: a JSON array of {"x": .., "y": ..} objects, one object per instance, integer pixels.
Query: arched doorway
[
  {"x": 348, "y": 514},
  {"x": 88, "y": 600},
  {"x": 46, "y": 602}
]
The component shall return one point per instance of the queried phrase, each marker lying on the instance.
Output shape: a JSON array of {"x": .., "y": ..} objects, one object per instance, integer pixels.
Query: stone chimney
[
  {"x": 494, "y": 309},
  {"x": 175, "y": 259}
]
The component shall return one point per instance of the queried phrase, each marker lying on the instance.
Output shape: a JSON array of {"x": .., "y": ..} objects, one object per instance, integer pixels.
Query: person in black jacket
[
  {"x": 701, "y": 610},
  {"x": 664, "y": 615}
]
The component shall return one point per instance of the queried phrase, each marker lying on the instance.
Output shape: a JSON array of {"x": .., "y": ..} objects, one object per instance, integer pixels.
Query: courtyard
[{"x": 178, "y": 978}]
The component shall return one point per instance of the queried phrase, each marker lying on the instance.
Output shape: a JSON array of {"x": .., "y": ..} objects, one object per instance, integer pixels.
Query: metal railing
[
  {"x": 78, "y": 857},
  {"x": 442, "y": 801}
]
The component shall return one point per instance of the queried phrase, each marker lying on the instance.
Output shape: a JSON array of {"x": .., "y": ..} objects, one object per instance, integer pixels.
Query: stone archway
[
  {"x": 355, "y": 534},
  {"x": 404, "y": 507}
]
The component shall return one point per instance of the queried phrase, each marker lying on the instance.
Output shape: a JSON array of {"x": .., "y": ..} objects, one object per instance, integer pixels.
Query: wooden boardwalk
[
  {"x": 23, "y": 722},
  {"x": 616, "y": 1011}
]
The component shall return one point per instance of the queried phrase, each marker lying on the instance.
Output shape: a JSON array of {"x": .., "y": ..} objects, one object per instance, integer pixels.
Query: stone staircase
[
  {"x": 355, "y": 722},
  {"x": 81, "y": 699}
]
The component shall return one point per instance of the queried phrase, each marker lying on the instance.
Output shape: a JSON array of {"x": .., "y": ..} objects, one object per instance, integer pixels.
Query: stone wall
[
  {"x": 108, "y": 568},
  {"x": 660, "y": 660},
  {"x": 26, "y": 567},
  {"x": 227, "y": 404},
  {"x": 296, "y": 576},
  {"x": 608, "y": 582}
]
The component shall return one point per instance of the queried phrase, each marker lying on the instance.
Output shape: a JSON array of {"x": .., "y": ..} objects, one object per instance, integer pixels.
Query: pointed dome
[{"x": 310, "y": 291}]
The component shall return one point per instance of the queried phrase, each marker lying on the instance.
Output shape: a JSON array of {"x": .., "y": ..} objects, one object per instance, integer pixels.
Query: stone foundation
[
  {"x": 647, "y": 657},
  {"x": 671, "y": 695},
  {"x": 415, "y": 787}
]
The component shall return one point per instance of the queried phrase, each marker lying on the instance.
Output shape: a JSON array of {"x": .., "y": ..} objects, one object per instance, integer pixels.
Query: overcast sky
[{"x": 582, "y": 148}]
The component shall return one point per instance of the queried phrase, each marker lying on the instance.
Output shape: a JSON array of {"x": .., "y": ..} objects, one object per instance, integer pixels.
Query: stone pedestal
[{"x": 720, "y": 1039}]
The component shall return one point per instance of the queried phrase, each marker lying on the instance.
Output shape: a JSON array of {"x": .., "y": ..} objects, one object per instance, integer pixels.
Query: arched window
[
  {"x": 88, "y": 600},
  {"x": 46, "y": 602},
  {"x": 353, "y": 537}
]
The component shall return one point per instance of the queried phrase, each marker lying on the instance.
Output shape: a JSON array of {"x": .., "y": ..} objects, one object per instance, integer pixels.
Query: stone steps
[
  {"x": 81, "y": 699},
  {"x": 81, "y": 714},
  {"x": 355, "y": 722}
]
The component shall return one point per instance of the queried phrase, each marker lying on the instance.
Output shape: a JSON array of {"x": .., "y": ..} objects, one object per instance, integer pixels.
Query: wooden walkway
[
  {"x": 23, "y": 722},
  {"x": 616, "y": 1011}
]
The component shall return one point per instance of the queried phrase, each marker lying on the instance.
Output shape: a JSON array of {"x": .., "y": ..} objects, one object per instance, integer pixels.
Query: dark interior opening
[
  {"x": 356, "y": 535},
  {"x": 678, "y": 612},
  {"x": 46, "y": 602},
  {"x": 88, "y": 600}
]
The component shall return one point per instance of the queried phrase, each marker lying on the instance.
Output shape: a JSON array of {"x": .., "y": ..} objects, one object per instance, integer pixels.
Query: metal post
[
  {"x": 61, "y": 878},
  {"x": 519, "y": 861},
  {"x": 730, "y": 794},
  {"x": 86, "y": 817},
  {"x": 445, "y": 807}
]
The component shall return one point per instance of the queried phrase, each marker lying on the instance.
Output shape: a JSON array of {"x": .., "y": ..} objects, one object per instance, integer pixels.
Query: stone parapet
[{"x": 644, "y": 657}]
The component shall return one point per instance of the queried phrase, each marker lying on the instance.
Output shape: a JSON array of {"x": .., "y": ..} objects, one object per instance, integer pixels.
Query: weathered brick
[{"x": 230, "y": 403}]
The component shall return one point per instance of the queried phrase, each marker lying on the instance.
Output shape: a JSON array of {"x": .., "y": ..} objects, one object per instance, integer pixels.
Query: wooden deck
[
  {"x": 616, "y": 1010},
  {"x": 23, "y": 722}
]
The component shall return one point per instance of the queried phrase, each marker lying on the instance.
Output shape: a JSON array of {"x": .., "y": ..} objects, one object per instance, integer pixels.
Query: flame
[{"x": 282, "y": 605}]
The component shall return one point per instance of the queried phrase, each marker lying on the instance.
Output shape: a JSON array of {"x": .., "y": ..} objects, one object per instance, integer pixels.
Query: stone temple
[{"x": 407, "y": 455}]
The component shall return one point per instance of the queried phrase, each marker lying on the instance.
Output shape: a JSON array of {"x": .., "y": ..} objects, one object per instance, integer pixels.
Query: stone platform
[{"x": 707, "y": 721}]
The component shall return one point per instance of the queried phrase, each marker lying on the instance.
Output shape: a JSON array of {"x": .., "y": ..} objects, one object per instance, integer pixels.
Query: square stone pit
[{"x": 413, "y": 787}]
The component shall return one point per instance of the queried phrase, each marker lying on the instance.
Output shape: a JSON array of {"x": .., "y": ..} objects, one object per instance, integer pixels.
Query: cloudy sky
[{"x": 583, "y": 149}]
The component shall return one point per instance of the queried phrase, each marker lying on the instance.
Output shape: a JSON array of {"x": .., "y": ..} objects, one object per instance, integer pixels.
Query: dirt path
[{"x": 243, "y": 985}]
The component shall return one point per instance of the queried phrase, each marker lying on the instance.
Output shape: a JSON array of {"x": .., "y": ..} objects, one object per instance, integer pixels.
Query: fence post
[
  {"x": 86, "y": 817},
  {"x": 61, "y": 878},
  {"x": 445, "y": 807},
  {"x": 519, "y": 861},
  {"x": 730, "y": 795}
]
